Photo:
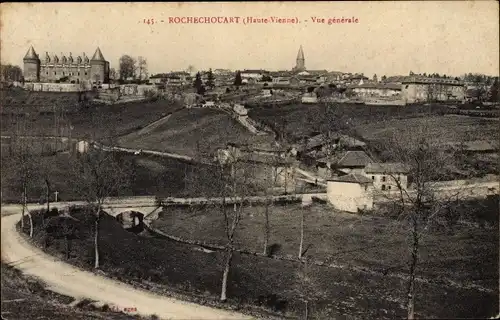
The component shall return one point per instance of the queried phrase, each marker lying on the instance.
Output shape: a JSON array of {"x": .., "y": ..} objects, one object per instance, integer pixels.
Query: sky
[{"x": 390, "y": 38}]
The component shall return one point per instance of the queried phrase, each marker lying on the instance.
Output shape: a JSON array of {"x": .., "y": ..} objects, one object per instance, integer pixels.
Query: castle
[
  {"x": 66, "y": 69},
  {"x": 300, "y": 64}
]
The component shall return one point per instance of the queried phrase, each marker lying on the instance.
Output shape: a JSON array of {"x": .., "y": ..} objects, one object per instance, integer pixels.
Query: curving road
[{"x": 69, "y": 280}]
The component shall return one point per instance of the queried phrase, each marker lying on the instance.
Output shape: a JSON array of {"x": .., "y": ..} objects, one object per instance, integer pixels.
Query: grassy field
[
  {"x": 379, "y": 243},
  {"x": 446, "y": 129},
  {"x": 19, "y": 101},
  {"x": 100, "y": 121},
  {"x": 182, "y": 271},
  {"x": 298, "y": 119},
  {"x": 189, "y": 129},
  {"x": 149, "y": 175},
  {"x": 26, "y": 298}
]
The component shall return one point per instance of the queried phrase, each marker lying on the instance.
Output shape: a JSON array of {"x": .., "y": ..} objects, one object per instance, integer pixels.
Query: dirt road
[{"x": 68, "y": 280}]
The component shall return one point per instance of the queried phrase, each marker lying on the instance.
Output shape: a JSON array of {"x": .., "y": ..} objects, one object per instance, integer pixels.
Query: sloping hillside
[{"x": 189, "y": 130}]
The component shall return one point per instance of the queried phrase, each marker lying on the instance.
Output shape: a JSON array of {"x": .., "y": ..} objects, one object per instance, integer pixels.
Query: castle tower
[
  {"x": 31, "y": 66},
  {"x": 99, "y": 68},
  {"x": 300, "y": 64}
]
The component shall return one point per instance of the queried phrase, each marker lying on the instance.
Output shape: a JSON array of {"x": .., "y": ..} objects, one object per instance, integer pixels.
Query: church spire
[
  {"x": 301, "y": 61},
  {"x": 300, "y": 54}
]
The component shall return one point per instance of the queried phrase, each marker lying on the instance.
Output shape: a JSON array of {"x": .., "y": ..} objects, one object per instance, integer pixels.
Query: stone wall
[{"x": 57, "y": 87}]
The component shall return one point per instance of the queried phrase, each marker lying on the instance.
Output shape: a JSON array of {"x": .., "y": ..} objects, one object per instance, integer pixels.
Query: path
[{"x": 69, "y": 280}]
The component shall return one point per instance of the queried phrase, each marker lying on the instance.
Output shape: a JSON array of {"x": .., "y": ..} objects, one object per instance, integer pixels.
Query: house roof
[
  {"x": 427, "y": 80},
  {"x": 260, "y": 71},
  {"x": 386, "y": 168},
  {"x": 352, "y": 178},
  {"x": 354, "y": 159}
]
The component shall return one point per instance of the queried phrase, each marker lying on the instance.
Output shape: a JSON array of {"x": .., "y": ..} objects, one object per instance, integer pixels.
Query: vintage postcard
[{"x": 250, "y": 160}]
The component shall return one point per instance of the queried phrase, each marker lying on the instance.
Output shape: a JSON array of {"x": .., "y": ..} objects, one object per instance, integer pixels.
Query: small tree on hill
[
  {"x": 198, "y": 84},
  {"x": 237, "y": 80},
  {"x": 210, "y": 79}
]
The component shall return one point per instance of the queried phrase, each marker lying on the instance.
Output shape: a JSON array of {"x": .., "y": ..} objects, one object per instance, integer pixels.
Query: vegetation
[{"x": 158, "y": 265}]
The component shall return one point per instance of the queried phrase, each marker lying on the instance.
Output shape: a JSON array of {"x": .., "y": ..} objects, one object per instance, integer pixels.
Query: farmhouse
[
  {"x": 351, "y": 193},
  {"x": 387, "y": 176}
]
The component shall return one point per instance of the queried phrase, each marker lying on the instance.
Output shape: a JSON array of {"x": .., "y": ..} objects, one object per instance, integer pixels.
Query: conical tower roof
[
  {"x": 300, "y": 55},
  {"x": 98, "y": 55},
  {"x": 31, "y": 54}
]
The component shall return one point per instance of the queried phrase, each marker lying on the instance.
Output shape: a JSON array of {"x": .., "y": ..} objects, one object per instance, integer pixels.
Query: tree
[
  {"x": 142, "y": 68},
  {"x": 11, "y": 73},
  {"x": 411, "y": 73},
  {"x": 99, "y": 175},
  {"x": 267, "y": 78},
  {"x": 424, "y": 204},
  {"x": 375, "y": 79},
  {"x": 190, "y": 69},
  {"x": 493, "y": 95},
  {"x": 384, "y": 78},
  {"x": 197, "y": 81},
  {"x": 127, "y": 67},
  {"x": 237, "y": 79},
  {"x": 23, "y": 174},
  {"x": 112, "y": 74},
  {"x": 210, "y": 79},
  {"x": 232, "y": 184}
]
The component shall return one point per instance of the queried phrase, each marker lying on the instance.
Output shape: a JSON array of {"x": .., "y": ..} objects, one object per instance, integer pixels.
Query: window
[
  {"x": 85, "y": 73},
  {"x": 55, "y": 73},
  {"x": 383, "y": 187},
  {"x": 383, "y": 178},
  {"x": 373, "y": 177},
  {"x": 78, "y": 73},
  {"x": 47, "y": 73},
  {"x": 63, "y": 73},
  {"x": 389, "y": 187}
]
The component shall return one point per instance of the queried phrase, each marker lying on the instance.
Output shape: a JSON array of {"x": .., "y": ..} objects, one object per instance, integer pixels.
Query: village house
[
  {"x": 309, "y": 98},
  {"x": 387, "y": 176},
  {"x": 418, "y": 89},
  {"x": 255, "y": 75},
  {"x": 341, "y": 163},
  {"x": 351, "y": 193}
]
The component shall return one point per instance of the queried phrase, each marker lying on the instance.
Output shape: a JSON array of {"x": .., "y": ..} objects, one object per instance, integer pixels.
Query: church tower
[
  {"x": 300, "y": 64},
  {"x": 31, "y": 66}
]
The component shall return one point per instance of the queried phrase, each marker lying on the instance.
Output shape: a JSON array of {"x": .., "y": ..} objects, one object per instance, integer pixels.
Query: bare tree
[
  {"x": 425, "y": 203},
  {"x": 307, "y": 289},
  {"x": 98, "y": 175},
  {"x": 233, "y": 179},
  {"x": 23, "y": 173}
]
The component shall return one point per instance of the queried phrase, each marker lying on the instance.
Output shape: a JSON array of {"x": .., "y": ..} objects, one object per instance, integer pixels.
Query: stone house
[
  {"x": 351, "y": 193},
  {"x": 386, "y": 176}
]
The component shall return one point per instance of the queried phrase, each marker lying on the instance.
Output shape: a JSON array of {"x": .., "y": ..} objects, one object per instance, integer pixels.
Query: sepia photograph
[{"x": 250, "y": 160}]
